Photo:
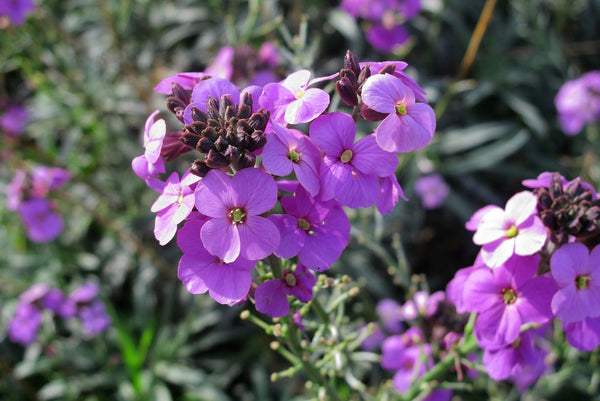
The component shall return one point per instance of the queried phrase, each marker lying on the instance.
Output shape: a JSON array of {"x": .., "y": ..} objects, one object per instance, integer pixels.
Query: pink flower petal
[
  {"x": 259, "y": 237},
  {"x": 370, "y": 159},
  {"x": 214, "y": 196},
  {"x": 568, "y": 261},
  {"x": 221, "y": 238},
  {"x": 256, "y": 190},
  {"x": 333, "y": 133},
  {"x": 381, "y": 92}
]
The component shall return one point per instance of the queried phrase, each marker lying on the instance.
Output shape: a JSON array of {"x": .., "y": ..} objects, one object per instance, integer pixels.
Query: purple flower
[
  {"x": 16, "y": 10},
  {"x": 173, "y": 206},
  {"x": 389, "y": 193},
  {"x": 316, "y": 231},
  {"x": 210, "y": 88},
  {"x": 422, "y": 304},
  {"x": 514, "y": 358},
  {"x": 54, "y": 300},
  {"x": 506, "y": 298},
  {"x": 42, "y": 224},
  {"x": 23, "y": 327},
  {"x": 577, "y": 273},
  {"x": 187, "y": 80},
  {"x": 222, "y": 65},
  {"x": 290, "y": 150},
  {"x": 474, "y": 221},
  {"x": 150, "y": 164},
  {"x": 394, "y": 346},
  {"x": 292, "y": 101},
  {"x": 350, "y": 171},
  {"x": 46, "y": 179},
  {"x": 271, "y": 296},
  {"x": 456, "y": 287},
  {"x": 409, "y": 126},
  {"x": 14, "y": 118},
  {"x": 433, "y": 190},
  {"x": 397, "y": 70},
  {"x": 583, "y": 334},
  {"x": 234, "y": 207},
  {"x": 390, "y": 315},
  {"x": 227, "y": 283},
  {"x": 515, "y": 230},
  {"x": 16, "y": 189},
  {"x": 374, "y": 340},
  {"x": 94, "y": 318},
  {"x": 386, "y": 39},
  {"x": 578, "y": 102},
  {"x": 34, "y": 293}
]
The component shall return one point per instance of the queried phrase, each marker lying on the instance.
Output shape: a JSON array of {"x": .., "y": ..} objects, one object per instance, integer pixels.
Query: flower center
[
  {"x": 180, "y": 199},
  {"x": 401, "y": 109},
  {"x": 237, "y": 215},
  {"x": 582, "y": 282},
  {"x": 509, "y": 296},
  {"x": 303, "y": 224},
  {"x": 512, "y": 232},
  {"x": 294, "y": 156},
  {"x": 346, "y": 156},
  {"x": 300, "y": 93},
  {"x": 290, "y": 280},
  {"x": 516, "y": 343}
]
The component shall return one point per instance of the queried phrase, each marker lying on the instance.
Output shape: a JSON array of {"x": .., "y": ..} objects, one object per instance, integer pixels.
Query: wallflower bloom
[
  {"x": 390, "y": 315},
  {"x": 94, "y": 319},
  {"x": 583, "y": 334},
  {"x": 577, "y": 273},
  {"x": 316, "y": 231},
  {"x": 23, "y": 327},
  {"x": 433, "y": 190},
  {"x": 233, "y": 206},
  {"x": 514, "y": 230},
  {"x": 13, "y": 120},
  {"x": 409, "y": 126},
  {"x": 16, "y": 10},
  {"x": 42, "y": 224},
  {"x": 173, "y": 205},
  {"x": 150, "y": 164},
  {"x": 187, "y": 80},
  {"x": 512, "y": 359},
  {"x": 390, "y": 192},
  {"x": 578, "y": 102},
  {"x": 350, "y": 171},
  {"x": 506, "y": 298},
  {"x": 422, "y": 304},
  {"x": 289, "y": 150},
  {"x": 387, "y": 38},
  {"x": 199, "y": 271},
  {"x": 292, "y": 101},
  {"x": 271, "y": 296}
]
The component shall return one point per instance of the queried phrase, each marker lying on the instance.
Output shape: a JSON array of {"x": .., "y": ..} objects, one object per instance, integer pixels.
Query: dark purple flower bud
[
  {"x": 371, "y": 115},
  {"x": 199, "y": 168},
  {"x": 216, "y": 160},
  {"x": 351, "y": 63}
]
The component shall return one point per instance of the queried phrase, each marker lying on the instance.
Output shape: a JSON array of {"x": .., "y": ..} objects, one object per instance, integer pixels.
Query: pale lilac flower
[
  {"x": 577, "y": 273},
  {"x": 544, "y": 180},
  {"x": 583, "y": 334},
  {"x": 433, "y": 190},
  {"x": 227, "y": 283},
  {"x": 409, "y": 126},
  {"x": 398, "y": 71},
  {"x": 289, "y": 150},
  {"x": 187, "y": 80},
  {"x": 16, "y": 10},
  {"x": 456, "y": 287},
  {"x": 292, "y": 101},
  {"x": 389, "y": 194},
  {"x": 234, "y": 207},
  {"x": 390, "y": 315},
  {"x": 46, "y": 179},
  {"x": 271, "y": 296},
  {"x": 23, "y": 327},
  {"x": 578, "y": 102},
  {"x": 475, "y": 219},
  {"x": 173, "y": 205},
  {"x": 422, "y": 304},
  {"x": 314, "y": 230},
  {"x": 34, "y": 293},
  {"x": 150, "y": 164},
  {"x": 14, "y": 118},
  {"x": 41, "y": 222},
  {"x": 506, "y": 298},
  {"x": 511, "y": 359},
  {"x": 515, "y": 230},
  {"x": 374, "y": 340},
  {"x": 268, "y": 55},
  {"x": 394, "y": 346},
  {"x": 350, "y": 171},
  {"x": 222, "y": 65},
  {"x": 213, "y": 88}
]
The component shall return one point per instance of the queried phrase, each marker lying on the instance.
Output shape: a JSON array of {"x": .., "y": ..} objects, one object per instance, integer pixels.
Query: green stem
[
  {"x": 276, "y": 266},
  {"x": 319, "y": 310}
]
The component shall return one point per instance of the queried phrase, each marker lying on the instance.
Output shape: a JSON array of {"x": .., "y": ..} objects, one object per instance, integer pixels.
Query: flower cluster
[
  {"x": 578, "y": 102},
  {"x": 28, "y": 196},
  {"x": 259, "y": 188},
  {"x": 16, "y": 11},
  {"x": 386, "y": 31},
  {"x": 82, "y": 304},
  {"x": 538, "y": 262},
  {"x": 433, "y": 190}
]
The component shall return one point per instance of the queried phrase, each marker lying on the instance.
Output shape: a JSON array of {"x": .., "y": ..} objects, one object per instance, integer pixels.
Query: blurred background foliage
[{"x": 85, "y": 69}]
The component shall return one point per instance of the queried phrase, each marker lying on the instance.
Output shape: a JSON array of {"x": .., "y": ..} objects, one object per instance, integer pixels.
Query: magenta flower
[
  {"x": 94, "y": 319},
  {"x": 389, "y": 194},
  {"x": 150, "y": 164},
  {"x": 513, "y": 358},
  {"x": 42, "y": 224},
  {"x": 23, "y": 327},
  {"x": 271, "y": 296},
  {"x": 16, "y": 10},
  {"x": 395, "y": 346},
  {"x": 475, "y": 219},
  {"x": 506, "y": 298},
  {"x": 409, "y": 126},
  {"x": 583, "y": 334},
  {"x": 514, "y": 230},
  {"x": 234, "y": 206},
  {"x": 314, "y": 230},
  {"x": 173, "y": 205},
  {"x": 292, "y": 101},
  {"x": 422, "y": 304},
  {"x": 289, "y": 150},
  {"x": 187, "y": 80},
  {"x": 13, "y": 120},
  {"x": 398, "y": 66},
  {"x": 386, "y": 39},
  {"x": 578, "y": 102},
  {"x": 455, "y": 289},
  {"x": 199, "y": 271},
  {"x": 46, "y": 179},
  {"x": 577, "y": 273},
  {"x": 390, "y": 315},
  {"x": 350, "y": 171},
  {"x": 222, "y": 65},
  {"x": 433, "y": 190}
]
